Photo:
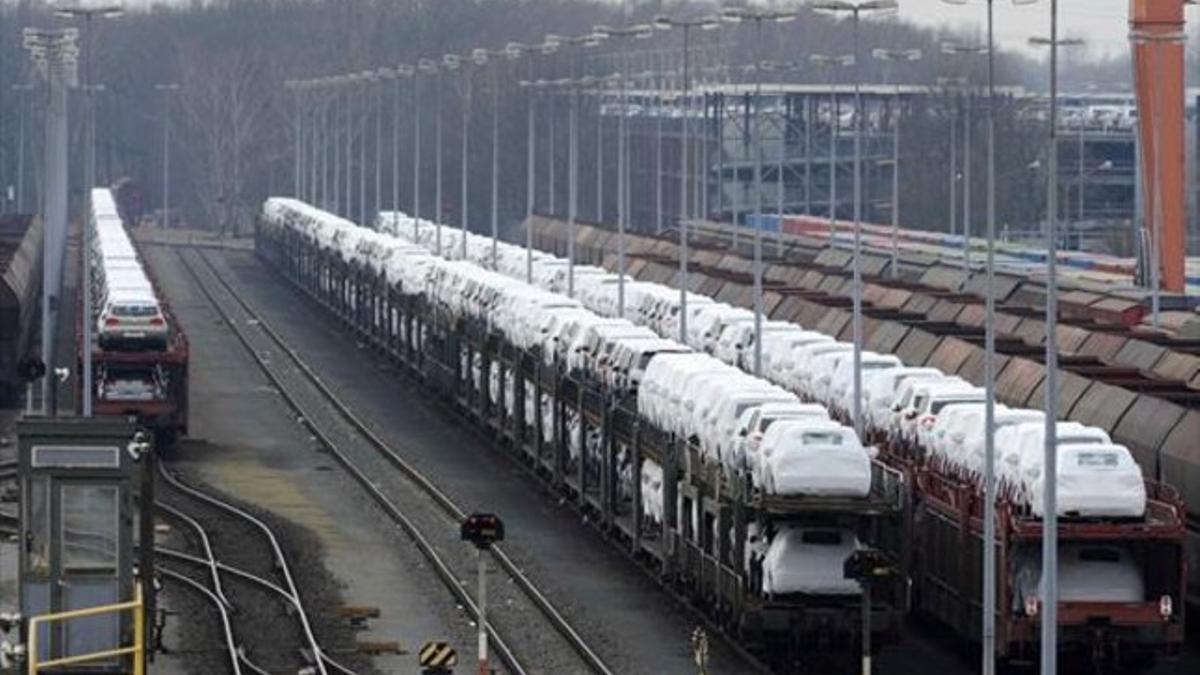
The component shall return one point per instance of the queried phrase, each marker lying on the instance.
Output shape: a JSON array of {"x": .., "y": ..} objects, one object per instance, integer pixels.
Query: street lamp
[
  {"x": 87, "y": 14},
  {"x": 833, "y": 62},
  {"x": 1049, "y": 591},
  {"x": 390, "y": 74},
  {"x": 758, "y": 16},
  {"x": 635, "y": 32},
  {"x": 453, "y": 62},
  {"x": 896, "y": 56},
  {"x": 167, "y": 90},
  {"x": 586, "y": 40},
  {"x": 703, "y": 23},
  {"x": 482, "y": 57},
  {"x": 430, "y": 67},
  {"x": 988, "y": 633},
  {"x": 514, "y": 50},
  {"x": 855, "y": 10},
  {"x": 954, "y": 49}
]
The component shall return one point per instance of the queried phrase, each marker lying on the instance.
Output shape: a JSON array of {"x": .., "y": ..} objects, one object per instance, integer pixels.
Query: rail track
[
  {"x": 549, "y": 643},
  {"x": 243, "y": 571}
]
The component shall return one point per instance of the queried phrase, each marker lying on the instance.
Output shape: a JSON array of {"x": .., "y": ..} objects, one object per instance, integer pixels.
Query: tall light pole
[
  {"x": 482, "y": 57},
  {"x": 390, "y": 74},
  {"x": 703, "y": 23},
  {"x": 634, "y": 32},
  {"x": 988, "y": 632},
  {"x": 365, "y": 79},
  {"x": 1049, "y": 586},
  {"x": 515, "y": 50},
  {"x": 833, "y": 62},
  {"x": 581, "y": 41},
  {"x": 954, "y": 49},
  {"x": 893, "y": 56},
  {"x": 55, "y": 55},
  {"x": 430, "y": 67},
  {"x": 167, "y": 90},
  {"x": 855, "y": 11},
  {"x": 87, "y": 14},
  {"x": 452, "y": 62},
  {"x": 757, "y": 16},
  {"x": 297, "y": 124}
]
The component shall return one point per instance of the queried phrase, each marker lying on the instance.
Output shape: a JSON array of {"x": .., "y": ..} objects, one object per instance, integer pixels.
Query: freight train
[
  {"x": 766, "y": 565},
  {"x": 728, "y": 510},
  {"x": 139, "y": 351}
]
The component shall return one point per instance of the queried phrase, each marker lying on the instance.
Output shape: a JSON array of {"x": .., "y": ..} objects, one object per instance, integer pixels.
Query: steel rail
[
  {"x": 252, "y": 578},
  {"x": 280, "y": 559},
  {"x": 230, "y": 642},
  {"x": 440, "y": 566},
  {"x": 527, "y": 586}
]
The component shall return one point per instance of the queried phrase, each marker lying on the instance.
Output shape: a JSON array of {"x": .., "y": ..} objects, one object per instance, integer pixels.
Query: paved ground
[
  {"x": 634, "y": 625},
  {"x": 250, "y": 444}
]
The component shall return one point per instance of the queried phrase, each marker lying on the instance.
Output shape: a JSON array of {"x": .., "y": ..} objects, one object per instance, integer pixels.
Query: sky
[{"x": 1103, "y": 24}]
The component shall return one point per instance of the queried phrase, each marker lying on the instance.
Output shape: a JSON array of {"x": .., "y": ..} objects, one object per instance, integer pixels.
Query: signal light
[
  {"x": 1031, "y": 606},
  {"x": 112, "y": 321},
  {"x": 1166, "y": 607},
  {"x": 156, "y": 321}
]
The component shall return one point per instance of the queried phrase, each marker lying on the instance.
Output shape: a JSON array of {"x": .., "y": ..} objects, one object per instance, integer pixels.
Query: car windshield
[{"x": 822, "y": 438}]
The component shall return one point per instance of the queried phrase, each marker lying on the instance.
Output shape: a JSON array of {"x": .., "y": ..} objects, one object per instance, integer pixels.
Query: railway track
[
  {"x": 240, "y": 567},
  {"x": 547, "y": 641}
]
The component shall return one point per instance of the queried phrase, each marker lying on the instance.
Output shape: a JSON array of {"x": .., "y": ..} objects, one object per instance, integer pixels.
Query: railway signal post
[{"x": 482, "y": 530}]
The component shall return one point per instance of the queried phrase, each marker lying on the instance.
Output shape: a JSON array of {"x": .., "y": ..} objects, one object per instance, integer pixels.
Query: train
[
  {"x": 139, "y": 351},
  {"x": 1140, "y": 387},
  {"x": 590, "y": 429}
]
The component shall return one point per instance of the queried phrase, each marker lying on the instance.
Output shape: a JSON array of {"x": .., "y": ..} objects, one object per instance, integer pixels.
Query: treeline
[{"x": 232, "y": 118}]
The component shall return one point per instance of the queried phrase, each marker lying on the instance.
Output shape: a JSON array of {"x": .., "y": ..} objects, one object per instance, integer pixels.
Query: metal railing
[{"x": 136, "y": 650}]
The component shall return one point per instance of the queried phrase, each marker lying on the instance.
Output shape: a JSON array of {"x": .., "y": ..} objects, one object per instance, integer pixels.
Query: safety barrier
[{"x": 136, "y": 650}]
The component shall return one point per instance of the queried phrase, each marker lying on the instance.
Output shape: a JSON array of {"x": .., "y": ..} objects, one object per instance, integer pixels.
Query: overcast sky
[{"x": 1102, "y": 23}]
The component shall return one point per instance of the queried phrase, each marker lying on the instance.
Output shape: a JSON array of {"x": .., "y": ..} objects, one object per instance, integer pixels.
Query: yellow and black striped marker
[{"x": 438, "y": 656}]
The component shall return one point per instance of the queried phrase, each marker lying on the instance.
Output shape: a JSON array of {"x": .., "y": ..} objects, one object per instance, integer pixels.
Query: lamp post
[
  {"x": 482, "y": 57},
  {"x": 988, "y": 632},
  {"x": 167, "y": 91},
  {"x": 686, "y": 25},
  {"x": 894, "y": 56},
  {"x": 515, "y": 50},
  {"x": 1049, "y": 586},
  {"x": 298, "y": 124},
  {"x": 430, "y": 67},
  {"x": 1084, "y": 174},
  {"x": 757, "y": 16},
  {"x": 87, "y": 14},
  {"x": 586, "y": 40},
  {"x": 634, "y": 32},
  {"x": 452, "y": 62},
  {"x": 855, "y": 10},
  {"x": 366, "y": 78},
  {"x": 351, "y": 82},
  {"x": 954, "y": 49},
  {"x": 832, "y": 62},
  {"x": 391, "y": 74}
]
